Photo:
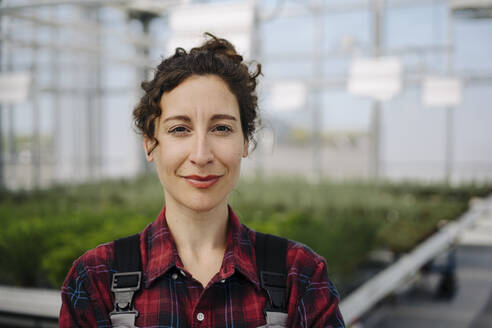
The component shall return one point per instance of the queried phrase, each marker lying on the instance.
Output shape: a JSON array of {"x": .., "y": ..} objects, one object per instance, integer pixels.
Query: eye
[
  {"x": 222, "y": 129},
  {"x": 179, "y": 130}
]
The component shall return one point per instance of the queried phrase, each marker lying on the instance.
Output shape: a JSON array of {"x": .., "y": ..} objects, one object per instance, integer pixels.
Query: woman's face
[{"x": 201, "y": 143}]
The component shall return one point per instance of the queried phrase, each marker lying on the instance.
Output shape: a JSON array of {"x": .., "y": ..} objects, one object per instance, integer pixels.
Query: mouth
[{"x": 202, "y": 182}]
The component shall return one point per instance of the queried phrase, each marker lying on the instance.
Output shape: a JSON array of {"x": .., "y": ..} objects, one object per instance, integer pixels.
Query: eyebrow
[
  {"x": 188, "y": 119},
  {"x": 223, "y": 117},
  {"x": 178, "y": 118}
]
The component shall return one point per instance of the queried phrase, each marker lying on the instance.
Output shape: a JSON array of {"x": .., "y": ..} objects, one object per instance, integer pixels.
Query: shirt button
[
  {"x": 222, "y": 281},
  {"x": 200, "y": 316},
  {"x": 174, "y": 276},
  {"x": 183, "y": 273}
]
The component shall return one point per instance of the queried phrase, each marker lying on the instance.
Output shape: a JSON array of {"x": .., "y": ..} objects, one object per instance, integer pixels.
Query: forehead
[{"x": 199, "y": 94}]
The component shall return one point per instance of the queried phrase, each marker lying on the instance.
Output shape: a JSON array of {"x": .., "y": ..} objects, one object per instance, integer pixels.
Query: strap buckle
[
  {"x": 274, "y": 284},
  {"x": 123, "y": 319},
  {"x": 124, "y": 285}
]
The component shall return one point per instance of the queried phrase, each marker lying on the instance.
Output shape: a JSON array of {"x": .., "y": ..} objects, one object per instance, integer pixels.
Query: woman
[{"x": 198, "y": 263}]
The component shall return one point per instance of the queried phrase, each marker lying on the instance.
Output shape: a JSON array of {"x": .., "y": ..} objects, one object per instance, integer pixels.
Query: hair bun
[{"x": 218, "y": 46}]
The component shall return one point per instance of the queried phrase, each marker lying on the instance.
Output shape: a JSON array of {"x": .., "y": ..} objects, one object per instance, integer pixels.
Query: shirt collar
[{"x": 161, "y": 253}]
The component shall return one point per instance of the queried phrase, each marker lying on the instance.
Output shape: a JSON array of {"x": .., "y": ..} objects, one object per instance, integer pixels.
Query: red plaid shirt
[{"x": 170, "y": 297}]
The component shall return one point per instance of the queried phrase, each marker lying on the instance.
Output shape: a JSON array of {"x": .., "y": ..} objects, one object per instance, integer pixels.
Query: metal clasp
[{"x": 124, "y": 285}]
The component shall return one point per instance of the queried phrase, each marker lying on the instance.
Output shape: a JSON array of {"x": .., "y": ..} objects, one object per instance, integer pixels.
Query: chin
[
  {"x": 202, "y": 206},
  {"x": 204, "y": 203}
]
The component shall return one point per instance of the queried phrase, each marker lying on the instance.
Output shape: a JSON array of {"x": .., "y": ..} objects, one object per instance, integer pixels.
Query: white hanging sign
[
  {"x": 14, "y": 87},
  {"x": 232, "y": 21},
  {"x": 442, "y": 91},
  {"x": 377, "y": 78},
  {"x": 288, "y": 95}
]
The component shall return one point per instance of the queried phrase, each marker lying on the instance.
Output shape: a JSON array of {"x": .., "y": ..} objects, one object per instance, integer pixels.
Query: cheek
[
  {"x": 170, "y": 156},
  {"x": 231, "y": 156}
]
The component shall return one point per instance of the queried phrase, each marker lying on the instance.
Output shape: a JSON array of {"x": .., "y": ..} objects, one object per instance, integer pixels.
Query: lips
[{"x": 202, "y": 182}]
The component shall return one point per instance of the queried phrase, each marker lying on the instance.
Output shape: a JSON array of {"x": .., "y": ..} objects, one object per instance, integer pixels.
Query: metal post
[
  {"x": 449, "y": 144},
  {"x": 375, "y": 139},
  {"x": 94, "y": 108},
  {"x": 448, "y": 169},
  {"x": 99, "y": 108},
  {"x": 89, "y": 103},
  {"x": 12, "y": 142},
  {"x": 11, "y": 168},
  {"x": 2, "y": 183},
  {"x": 55, "y": 75},
  {"x": 90, "y": 128},
  {"x": 36, "y": 142},
  {"x": 255, "y": 50},
  {"x": 12, "y": 145},
  {"x": 145, "y": 20},
  {"x": 318, "y": 38},
  {"x": 36, "y": 138},
  {"x": 144, "y": 17}
]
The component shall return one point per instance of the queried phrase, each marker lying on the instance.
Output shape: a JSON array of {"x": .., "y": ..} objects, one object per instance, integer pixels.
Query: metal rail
[
  {"x": 404, "y": 270},
  {"x": 21, "y": 306}
]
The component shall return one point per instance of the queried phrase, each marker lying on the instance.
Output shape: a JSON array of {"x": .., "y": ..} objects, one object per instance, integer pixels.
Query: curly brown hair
[{"x": 215, "y": 56}]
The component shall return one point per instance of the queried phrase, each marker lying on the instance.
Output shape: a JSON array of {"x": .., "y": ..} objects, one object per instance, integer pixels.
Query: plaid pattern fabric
[{"x": 170, "y": 297}]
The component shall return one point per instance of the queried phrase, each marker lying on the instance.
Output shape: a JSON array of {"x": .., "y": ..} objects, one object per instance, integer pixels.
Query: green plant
[{"x": 43, "y": 232}]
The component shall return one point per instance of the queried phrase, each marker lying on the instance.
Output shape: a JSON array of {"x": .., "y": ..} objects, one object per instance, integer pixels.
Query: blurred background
[
  {"x": 376, "y": 133},
  {"x": 71, "y": 72}
]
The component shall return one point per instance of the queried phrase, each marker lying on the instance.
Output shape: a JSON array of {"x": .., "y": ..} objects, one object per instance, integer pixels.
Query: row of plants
[{"x": 43, "y": 232}]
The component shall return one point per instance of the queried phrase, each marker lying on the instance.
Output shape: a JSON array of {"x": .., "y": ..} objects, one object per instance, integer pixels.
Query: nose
[{"x": 201, "y": 154}]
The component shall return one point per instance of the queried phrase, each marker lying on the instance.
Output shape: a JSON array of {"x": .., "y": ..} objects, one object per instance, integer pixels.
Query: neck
[{"x": 197, "y": 233}]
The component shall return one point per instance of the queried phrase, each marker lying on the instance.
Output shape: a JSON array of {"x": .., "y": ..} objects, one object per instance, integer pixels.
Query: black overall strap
[
  {"x": 271, "y": 256},
  {"x": 126, "y": 280},
  {"x": 127, "y": 253}
]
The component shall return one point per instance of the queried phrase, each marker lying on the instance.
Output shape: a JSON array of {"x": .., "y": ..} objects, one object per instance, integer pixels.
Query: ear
[
  {"x": 246, "y": 148},
  {"x": 148, "y": 146}
]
